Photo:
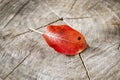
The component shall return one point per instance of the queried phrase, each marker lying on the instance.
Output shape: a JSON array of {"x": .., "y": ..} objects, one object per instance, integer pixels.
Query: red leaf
[{"x": 64, "y": 39}]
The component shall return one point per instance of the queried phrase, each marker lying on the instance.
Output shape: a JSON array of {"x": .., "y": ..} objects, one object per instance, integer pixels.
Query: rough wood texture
[
  {"x": 102, "y": 30},
  {"x": 9, "y": 9},
  {"x": 28, "y": 57}
]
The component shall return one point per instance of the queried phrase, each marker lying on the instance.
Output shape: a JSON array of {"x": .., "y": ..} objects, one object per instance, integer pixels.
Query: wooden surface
[{"x": 28, "y": 57}]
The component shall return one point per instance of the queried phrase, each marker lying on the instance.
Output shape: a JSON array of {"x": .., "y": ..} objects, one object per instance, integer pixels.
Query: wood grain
[
  {"x": 103, "y": 37},
  {"x": 9, "y": 9},
  {"x": 27, "y": 56}
]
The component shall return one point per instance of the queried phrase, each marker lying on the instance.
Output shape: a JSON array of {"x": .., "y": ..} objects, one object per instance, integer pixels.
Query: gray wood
[
  {"x": 9, "y": 9},
  {"x": 102, "y": 31},
  {"x": 27, "y": 56}
]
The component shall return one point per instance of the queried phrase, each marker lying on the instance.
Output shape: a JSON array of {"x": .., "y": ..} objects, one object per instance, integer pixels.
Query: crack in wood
[
  {"x": 79, "y": 54},
  {"x": 79, "y": 17},
  {"x": 4, "y": 5},
  {"x": 32, "y": 48},
  {"x": 16, "y": 13},
  {"x": 59, "y": 19},
  {"x": 84, "y": 66},
  {"x": 73, "y": 5},
  {"x": 119, "y": 46},
  {"x": 3, "y": 55}
]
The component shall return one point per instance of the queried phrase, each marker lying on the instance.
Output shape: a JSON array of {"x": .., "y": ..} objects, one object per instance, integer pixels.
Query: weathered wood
[
  {"x": 9, "y": 9},
  {"x": 102, "y": 31},
  {"x": 27, "y": 56}
]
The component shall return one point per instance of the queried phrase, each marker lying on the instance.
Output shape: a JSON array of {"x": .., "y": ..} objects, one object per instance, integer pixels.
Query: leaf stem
[
  {"x": 59, "y": 19},
  {"x": 35, "y": 30}
]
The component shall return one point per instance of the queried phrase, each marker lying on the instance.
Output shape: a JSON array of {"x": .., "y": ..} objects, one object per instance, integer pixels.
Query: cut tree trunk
[{"x": 24, "y": 55}]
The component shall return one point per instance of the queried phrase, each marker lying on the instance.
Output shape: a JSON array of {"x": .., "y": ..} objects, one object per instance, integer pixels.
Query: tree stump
[{"x": 24, "y": 55}]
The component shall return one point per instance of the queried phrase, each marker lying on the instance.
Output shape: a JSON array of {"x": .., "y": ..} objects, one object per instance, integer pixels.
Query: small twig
[{"x": 84, "y": 66}]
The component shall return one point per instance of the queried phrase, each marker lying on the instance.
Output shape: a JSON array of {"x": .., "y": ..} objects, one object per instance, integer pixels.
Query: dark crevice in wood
[
  {"x": 73, "y": 5},
  {"x": 80, "y": 56},
  {"x": 4, "y": 5},
  {"x": 3, "y": 55},
  {"x": 20, "y": 34},
  {"x": 84, "y": 66},
  {"x": 16, "y": 13},
  {"x": 20, "y": 62},
  {"x": 119, "y": 46},
  {"x": 59, "y": 19}
]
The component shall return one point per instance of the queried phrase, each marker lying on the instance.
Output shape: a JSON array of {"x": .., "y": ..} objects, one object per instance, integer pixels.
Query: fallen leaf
[{"x": 64, "y": 39}]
